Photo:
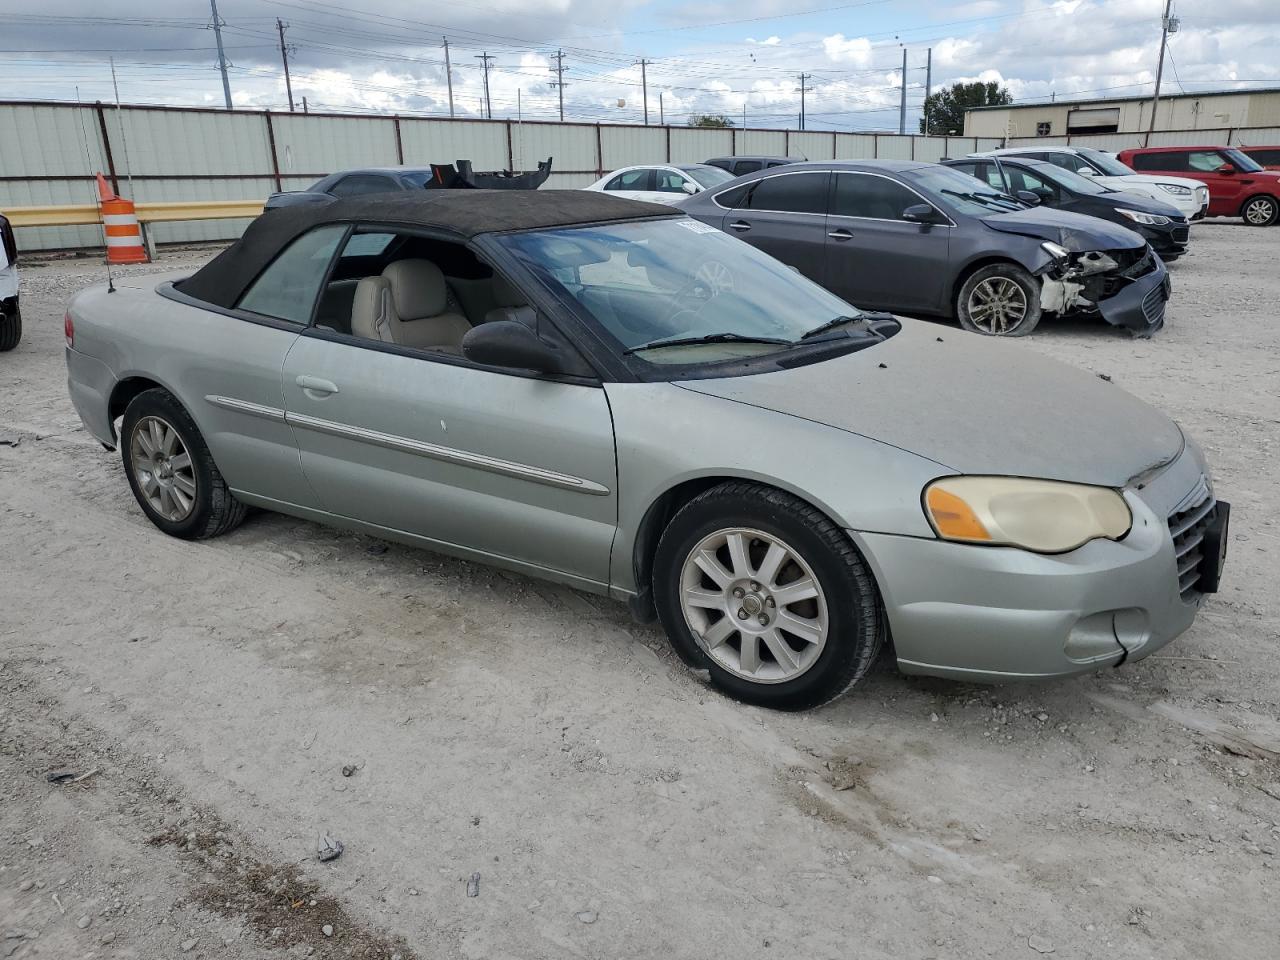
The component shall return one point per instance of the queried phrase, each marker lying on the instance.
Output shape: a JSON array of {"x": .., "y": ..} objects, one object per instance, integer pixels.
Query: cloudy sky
[{"x": 716, "y": 56}]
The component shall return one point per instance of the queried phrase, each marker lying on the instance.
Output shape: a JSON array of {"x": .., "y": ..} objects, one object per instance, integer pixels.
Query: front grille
[
  {"x": 1187, "y": 526},
  {"x": 1153, "y": 305}
]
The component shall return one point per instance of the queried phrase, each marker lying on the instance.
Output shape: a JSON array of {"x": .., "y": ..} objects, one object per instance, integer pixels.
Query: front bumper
[
  {"x": 1139, "y": 306},
  {"x": 1170, "y": 241},
  {"x": 995, "y": 613}
]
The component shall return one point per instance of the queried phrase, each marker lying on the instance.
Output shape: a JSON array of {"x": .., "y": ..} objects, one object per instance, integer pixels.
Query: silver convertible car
[{"x": 614, "y": 396}]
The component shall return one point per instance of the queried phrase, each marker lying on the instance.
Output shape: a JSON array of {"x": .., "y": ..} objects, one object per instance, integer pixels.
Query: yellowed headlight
[{"x": 1046, "y": 516}]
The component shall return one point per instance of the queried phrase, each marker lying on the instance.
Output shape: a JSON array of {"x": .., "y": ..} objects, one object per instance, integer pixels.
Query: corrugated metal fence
[{"x": 48, "y": 153}]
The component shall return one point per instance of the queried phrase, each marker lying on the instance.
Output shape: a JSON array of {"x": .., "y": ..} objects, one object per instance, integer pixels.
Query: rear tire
[
  {"x": 10, "y": 329},
  {"x": 768, "y": 595},
  {"x": 1260, "y": 211},
  {"x": 171, "y": 471},
  {"x": 1000, "y": 300}
]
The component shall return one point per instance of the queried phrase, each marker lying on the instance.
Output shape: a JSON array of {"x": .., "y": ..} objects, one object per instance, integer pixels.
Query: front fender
[{"x": 860, "y": 483}]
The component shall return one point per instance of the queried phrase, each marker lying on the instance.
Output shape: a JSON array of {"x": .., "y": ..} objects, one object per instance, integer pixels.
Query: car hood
[
  {"x": 1077, "y": 232},
  {"x": 973, "y": 404},
  {"x": 1123, "y": 200}
]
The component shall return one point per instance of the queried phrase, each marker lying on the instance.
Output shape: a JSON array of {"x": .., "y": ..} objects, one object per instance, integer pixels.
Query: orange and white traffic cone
[{"x": 120, "y": 222}]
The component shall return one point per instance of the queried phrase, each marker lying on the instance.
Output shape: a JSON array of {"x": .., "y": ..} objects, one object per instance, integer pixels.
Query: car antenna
[{"x": 84, "y": 139}]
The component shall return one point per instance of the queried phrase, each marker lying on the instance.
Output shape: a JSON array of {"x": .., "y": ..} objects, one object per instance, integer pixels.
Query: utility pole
[
  {"x": 902, "y": 104},
  {"x": 803, "y": 78},
  {"x": 485, "y": 58},
  {"x": 928, "y": 85},
  {"x": 222, "y": 57},
  {"x": 558, "y": 83},
  {"x": 644, "y": 88},
  {"x": 662, "y": 117},
  {"x": 284, "y": 56},
  {"x": 1164, "y": 39},
  {"x": 448, "y": 73},
  {"x": 304, "y": 104}
]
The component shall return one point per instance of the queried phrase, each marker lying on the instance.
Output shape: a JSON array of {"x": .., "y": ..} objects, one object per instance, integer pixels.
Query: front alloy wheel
[
  {"x": 999, "y": 300},
  {"x": 754, "y": 605},
  {"x": 768, "y": 595}
]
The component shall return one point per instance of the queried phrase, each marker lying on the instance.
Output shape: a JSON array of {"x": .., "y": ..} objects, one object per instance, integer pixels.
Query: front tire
[
  {"x": 1261, "y": 211},
  {"x": 171, "y": 471},
  {"x": 768, "y": 595},
  {"x": 10, "y": 328},
  {"x": 1000, "y": 300}
]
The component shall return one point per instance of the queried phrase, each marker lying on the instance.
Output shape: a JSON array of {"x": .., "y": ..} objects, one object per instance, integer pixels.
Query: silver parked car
[{"x": 612, "y": 395}]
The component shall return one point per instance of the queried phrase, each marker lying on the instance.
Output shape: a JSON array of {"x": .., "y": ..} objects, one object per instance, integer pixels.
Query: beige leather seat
[
  {"x": 408, "y": 305},
  {"x": 510, "y": 303}
]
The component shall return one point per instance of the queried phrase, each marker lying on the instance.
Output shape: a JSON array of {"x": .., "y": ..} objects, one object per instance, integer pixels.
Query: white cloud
[{"x": 840, "y": 49}]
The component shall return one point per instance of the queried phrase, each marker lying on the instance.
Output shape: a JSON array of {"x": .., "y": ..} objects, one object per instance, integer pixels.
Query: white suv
[{"x": 1191, "y": 197}]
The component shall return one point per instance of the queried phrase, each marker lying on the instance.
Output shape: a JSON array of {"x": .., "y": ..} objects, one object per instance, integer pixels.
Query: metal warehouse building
[{"x": 1227, "y": 109}]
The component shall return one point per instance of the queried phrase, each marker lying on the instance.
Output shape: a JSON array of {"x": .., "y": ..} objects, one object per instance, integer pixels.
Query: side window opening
[
  {"x": 789, "y": 193},
  {"x": 287, "y": 288},
  {"x": 871, "y": 197}
]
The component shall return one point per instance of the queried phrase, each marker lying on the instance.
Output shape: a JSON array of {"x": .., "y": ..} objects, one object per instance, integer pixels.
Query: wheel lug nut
[
  {"x": 738, "y": 593},
  {"x": 742, "y": 614},
  {"x": 764, "y": 621},
  {"x": 754, "y": 586},
  {"x": 769, "y": 602}
]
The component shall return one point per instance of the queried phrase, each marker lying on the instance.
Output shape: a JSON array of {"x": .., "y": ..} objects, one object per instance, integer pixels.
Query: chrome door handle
[
  {"x": 740, "y": 225},
  {"x": 841, "y": 234},
  {"x": 316, "y": 385}
]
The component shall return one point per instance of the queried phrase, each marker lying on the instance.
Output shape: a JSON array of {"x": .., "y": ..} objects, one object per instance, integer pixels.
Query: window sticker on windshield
[{"x": 697, "y": 226}]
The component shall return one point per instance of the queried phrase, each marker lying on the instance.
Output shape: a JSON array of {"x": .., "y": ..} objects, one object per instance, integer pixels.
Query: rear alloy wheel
[
  {"x": 1260, "y": 211},
  {"x": 171, "y": 471},
  {"x": 1001, "y": 300},
  {"x": 768, "y": 595}
]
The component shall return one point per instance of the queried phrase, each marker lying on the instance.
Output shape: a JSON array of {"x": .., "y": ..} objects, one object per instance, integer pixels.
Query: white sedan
[{"x": 661, "y": 183}]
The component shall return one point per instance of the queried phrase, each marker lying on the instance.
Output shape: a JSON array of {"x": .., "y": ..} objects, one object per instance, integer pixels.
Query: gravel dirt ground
[{"x": 210, "y": 695}]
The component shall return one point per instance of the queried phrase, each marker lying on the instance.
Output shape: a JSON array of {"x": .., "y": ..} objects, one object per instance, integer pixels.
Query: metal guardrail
[{"x": 70, "y": 215}]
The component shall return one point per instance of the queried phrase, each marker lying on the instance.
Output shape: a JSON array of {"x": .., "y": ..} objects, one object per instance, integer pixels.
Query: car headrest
[
  {"x": 505, "y": 295},
  {"x": 417, "y": 289}
]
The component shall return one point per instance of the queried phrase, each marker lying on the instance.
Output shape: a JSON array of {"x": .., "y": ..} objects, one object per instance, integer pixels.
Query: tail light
[{"x": 69, "y": 328}]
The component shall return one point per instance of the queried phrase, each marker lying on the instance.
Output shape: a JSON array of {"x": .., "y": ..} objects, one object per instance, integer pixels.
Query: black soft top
[{"x": 464, "y": 213}]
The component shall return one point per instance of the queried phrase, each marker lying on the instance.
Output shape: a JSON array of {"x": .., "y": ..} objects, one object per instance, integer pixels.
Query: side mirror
[
  {"x": 1087, "y": 172},
  {"x": 921, "y": 213},
  {"x": 509, "y": 343},
  {"x": 1029, "y": 196},
  {"x": 689, "y": 187},
  {"x": 1227, "y": 169}
]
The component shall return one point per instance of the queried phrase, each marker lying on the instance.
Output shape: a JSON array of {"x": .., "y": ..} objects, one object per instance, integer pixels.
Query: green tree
[
  {"x": 710, "y": 120},
  {"x": 944, "y": 110}
]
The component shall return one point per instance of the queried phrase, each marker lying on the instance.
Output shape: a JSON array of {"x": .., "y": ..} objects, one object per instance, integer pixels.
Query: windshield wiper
[
  {"x": 708, "y": 338},
  {"x": 832, "y": 324}
]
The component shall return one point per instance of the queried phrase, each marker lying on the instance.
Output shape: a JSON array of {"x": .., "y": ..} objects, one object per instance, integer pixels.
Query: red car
[
  {"x": 1238, "y": 185},
  {"x": 1269, "y": 157}
]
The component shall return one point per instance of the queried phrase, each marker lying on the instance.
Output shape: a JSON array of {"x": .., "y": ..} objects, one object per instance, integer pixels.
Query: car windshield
[
  {"x": 959, "y": 192},
  {"x": 1107, "y": 163},
  {"x": 1068, "y": 179},
  {"x": 1243, "y": 163},
  {"x": 645, "y": 282},
  {"x": 708, "y": 176}
]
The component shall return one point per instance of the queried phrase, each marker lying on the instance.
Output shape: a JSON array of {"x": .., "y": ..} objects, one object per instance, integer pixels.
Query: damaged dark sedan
[{"x": 919, "y": 238}]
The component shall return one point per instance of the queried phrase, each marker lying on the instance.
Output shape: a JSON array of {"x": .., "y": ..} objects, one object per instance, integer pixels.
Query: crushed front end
[{"x": 1128, "y": 287}]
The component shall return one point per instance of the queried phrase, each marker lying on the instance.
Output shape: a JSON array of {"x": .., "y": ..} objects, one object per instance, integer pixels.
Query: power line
[{"x": 488, "y": 106}]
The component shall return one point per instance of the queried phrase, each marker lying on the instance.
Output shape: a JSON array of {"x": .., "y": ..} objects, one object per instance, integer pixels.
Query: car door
[
  {"x": 669, "y": 185},
  {"x": 874, "y": 258},
  {"x": 490, "y": 464},
  {"x": 1226, "y": 185},
  {"x": 784, "y": 215},
  {"x": 239, "y": 397}
]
